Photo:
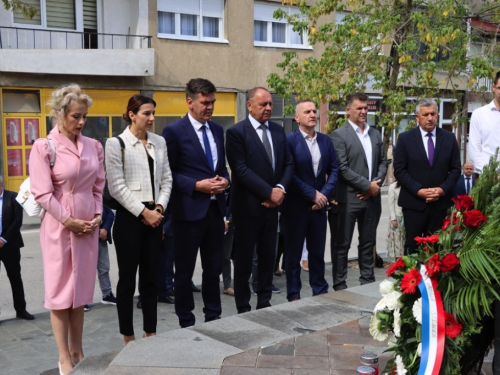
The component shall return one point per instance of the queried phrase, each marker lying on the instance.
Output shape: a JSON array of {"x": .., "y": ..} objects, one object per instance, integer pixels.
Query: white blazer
[
  {"x": 393, "y": 196},
  {"x": 131, "y": 185}
]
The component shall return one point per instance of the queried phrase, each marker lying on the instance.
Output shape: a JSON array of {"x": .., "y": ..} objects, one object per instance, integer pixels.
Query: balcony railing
[{"x": 22, "y": 38}]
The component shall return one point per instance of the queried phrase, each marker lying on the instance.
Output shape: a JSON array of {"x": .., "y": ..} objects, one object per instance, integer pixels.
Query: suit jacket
[
  {"x": 189, "y": 164},
  {"x": 413, "y": 171},
  {"x": 252, "y": 171},
  {"x": 302, "y": 190},
  {"x": 459, "y": 188},
  {"x": 12, "y": 219},
  {"x": 107, "y": 221},
  {"x": 353, "y": 165}
]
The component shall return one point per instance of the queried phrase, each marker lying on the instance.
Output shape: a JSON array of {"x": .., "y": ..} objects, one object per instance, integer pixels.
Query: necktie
[
  {"x": 467, "y": 186},
  {"x": 430, "y": 148},
  {"x": 208, "y": 150},
  {"x": 267, "y": 144}
]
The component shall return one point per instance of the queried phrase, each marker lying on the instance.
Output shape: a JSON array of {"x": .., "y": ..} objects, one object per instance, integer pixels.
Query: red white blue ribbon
[{"x": 433, "y": 327}]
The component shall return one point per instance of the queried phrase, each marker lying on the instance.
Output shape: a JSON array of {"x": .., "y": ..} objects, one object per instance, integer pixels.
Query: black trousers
[
  {"x": 251, "y": 232},
  {"x": 11, "y": 259},
  {"x": 421, "y": 223},
  {"x": 207, "y": 235},
  {"x": 367, "y": 215},
  {"x": 137, "y": 246}
]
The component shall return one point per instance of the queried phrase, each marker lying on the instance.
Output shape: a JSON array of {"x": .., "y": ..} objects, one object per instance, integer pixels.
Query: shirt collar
[
  {"x": 196, "y": 124},
  {"x": 132, "y": 138},
  {"x": 357, "y": 129},
  {"x": 307, "y": 136},
  {"x": 1, "y": 195},
  {"x": 492, "y": 106},
  {"x": 424, "y": 133},
  {"x": 255, "y": 123}
]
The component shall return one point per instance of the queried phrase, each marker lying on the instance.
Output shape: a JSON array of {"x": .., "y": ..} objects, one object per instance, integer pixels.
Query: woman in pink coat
[{"x": 71, "y": 194}]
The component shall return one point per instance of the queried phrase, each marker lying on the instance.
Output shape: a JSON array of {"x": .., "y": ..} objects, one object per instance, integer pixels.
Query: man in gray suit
[{"x": 362, "y": 169}]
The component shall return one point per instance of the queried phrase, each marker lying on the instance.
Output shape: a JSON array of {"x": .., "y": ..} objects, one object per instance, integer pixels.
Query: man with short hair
[
  {"x": 303, "y": 213},
  {"x": 484, "y": 134},
  {"x": 362, "y": 166},
  {"x": 262, "y": 169},
  {"x": 466, "y": 181},
  {"x": 427, "y": 166},
  {"x": 11, "y": 241},
  {"x": 197, "y": 159}
]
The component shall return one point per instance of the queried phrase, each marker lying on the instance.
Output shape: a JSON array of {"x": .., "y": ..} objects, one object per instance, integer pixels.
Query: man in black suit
[
  {"x": 262, "y": 169},
  {"x": 466, "y": 181},
  {"x": 427, "y": 166},
  {"x": 362, "y": 169},
  {"x": 11, "y": 242}
]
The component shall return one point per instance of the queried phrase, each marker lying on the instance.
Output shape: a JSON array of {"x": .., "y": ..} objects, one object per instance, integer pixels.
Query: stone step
[{"x": 91, "y": 365}]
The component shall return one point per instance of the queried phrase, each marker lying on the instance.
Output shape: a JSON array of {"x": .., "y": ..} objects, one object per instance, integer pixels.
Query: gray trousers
[{"x": 103, "y": 269}]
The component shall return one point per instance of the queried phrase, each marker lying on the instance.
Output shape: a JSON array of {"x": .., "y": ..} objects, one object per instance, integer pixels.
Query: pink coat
[{"x": 72, "y": 188}]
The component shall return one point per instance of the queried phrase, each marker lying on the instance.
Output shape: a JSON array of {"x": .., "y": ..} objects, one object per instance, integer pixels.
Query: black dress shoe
[
  {"x": 24, "y": 315},
  {"x": 211, "y": 319},
  {"x": 139, "y": 304},
  {"x": 166, "y": 299},
  {"x": 194, "y": 288}
]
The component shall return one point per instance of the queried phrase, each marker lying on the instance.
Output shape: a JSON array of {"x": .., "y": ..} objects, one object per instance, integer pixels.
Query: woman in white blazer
[{"x": 141, "y": 183}]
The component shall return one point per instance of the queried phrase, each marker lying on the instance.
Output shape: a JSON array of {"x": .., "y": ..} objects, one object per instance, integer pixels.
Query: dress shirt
[
  {"x": 198, "y": 130},
  {"x": 484, "y": 135},
  {"x": 312, "y": 143},
  {"x": 470, "y": 183},
  {"x": 1, "y": 208},
  {"x": 256, "y": 125},
  {"x": 364, "y": 138},
  {"x": 425, "y": 139}
]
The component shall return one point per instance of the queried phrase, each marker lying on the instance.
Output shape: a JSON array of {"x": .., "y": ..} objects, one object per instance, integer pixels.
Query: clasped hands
[
  {"x": 430, "y": 194},
  {"x": 212, "y": 186},
  {"x": 372, "y": 191},
  {"x": 83, "y": 227},
  {"x": 275, "y": 198}
]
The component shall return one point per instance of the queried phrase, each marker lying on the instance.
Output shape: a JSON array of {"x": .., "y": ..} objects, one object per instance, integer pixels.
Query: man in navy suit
[
  {"x": 195, "y": 148},
  {"x": 466, "y": 180},
  {"x": 427, "y": 166},
  {"x": 303, "y": 213},
  {"x": 261, "y": 170}
]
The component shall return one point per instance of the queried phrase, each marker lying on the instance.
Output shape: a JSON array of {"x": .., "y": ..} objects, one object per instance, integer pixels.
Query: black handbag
[{"x": 107, "y": 199}]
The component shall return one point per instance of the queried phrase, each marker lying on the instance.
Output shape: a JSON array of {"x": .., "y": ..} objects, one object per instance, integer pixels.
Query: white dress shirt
[
  {"x": 312, "y": 143},
  {"x": 425, "y": 139},
  {"x": 484, "y": 135},
  {"x": 364, "y": 138},
  {"x": 199, "y": 132}
]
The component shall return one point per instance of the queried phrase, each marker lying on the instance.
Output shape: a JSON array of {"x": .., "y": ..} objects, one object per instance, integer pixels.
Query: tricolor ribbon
[{"x": 433, "y": 327}]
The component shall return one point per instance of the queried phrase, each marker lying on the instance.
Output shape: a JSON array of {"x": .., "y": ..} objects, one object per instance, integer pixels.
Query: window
[
  {"x": 52, "y": 14},
  {"x": 191, "y": 19},
  {"x": 270, "y": 32}
]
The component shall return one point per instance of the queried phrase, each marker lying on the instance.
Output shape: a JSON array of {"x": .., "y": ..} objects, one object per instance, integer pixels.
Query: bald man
[{"x": 466, "y": 180}]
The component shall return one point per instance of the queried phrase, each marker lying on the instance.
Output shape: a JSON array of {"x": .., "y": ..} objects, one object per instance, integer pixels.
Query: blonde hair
[{"x": 64, "y": 98}]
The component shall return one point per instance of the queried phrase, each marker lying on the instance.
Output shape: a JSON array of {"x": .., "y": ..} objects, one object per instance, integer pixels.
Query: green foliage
[
  {"x": 27, "y": 10},
  {"x": 404, "y": 48}
]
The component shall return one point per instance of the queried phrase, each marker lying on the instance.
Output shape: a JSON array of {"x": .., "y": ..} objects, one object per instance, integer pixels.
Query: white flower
[
  {"x": 381, "y": 305},
  {"x": 400, "y": 366},
  {"x": 386, "y": 287},
  {"x": 392, "y": 300},
  {"x": 392, "y": 342},
  {"x": 397, "y": 323},
  {"x": 419, "y": 349},
  {"x": 417, "y": 310},
  {"x": 375, "y": 331}
]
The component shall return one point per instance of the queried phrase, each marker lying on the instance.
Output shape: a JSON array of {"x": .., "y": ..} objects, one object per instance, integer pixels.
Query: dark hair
[
  {"x": 253, "y": 91},
  {"x": 355, "y": 96},
  {"x": 134, "y": 103},
  {"x": 497, "y": 77},
  {"x": 197, "y": 86}
]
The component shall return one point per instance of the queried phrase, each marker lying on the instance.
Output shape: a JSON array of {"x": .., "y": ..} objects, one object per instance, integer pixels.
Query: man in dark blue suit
[
  {"x": 262, "y": 169},
  {"x": 195, "y": 148},
  {"x": 427, "y": 166},
  {"x": 303, "y": 213},
  {"x": 466, "y": 180}
]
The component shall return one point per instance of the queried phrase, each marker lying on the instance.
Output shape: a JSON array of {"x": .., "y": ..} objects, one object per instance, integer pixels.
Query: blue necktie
[
  {"x": 208, "y": 150},
  {"x": 467, "y": 186}
]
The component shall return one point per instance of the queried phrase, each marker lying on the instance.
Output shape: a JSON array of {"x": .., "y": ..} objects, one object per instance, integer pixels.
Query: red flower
[
  {"x": 410, "y": 281},
  {"x": 463, "y": 203},
  {"x": 450, "y": 262},
  {"x": 429, "y": 239},
  {"x": 420, "y": 240},
  {"x": 452, "y": 327},
  {"x": 395, "y": 266},
  {"x": 474, "y": 218},
  {"x": 446, "y": 224},
  {"x": 433, "y": 265}
]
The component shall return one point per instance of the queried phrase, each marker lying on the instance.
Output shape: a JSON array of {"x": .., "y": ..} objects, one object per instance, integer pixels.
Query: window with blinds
[
  {"x": 191, "y": 19},
  {"x": 90, "y": 14},
  {"x": 53, "y": 14},
  {"x": 36, "y": 20}
]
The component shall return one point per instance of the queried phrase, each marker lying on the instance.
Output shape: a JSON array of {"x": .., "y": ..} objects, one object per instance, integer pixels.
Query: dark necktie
[
  {"x": 265, "y": 141},
  {"x": 467, "y": 186},
  {"x": 208, "y": 150},
  {"x": 430, "y": 148}
]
